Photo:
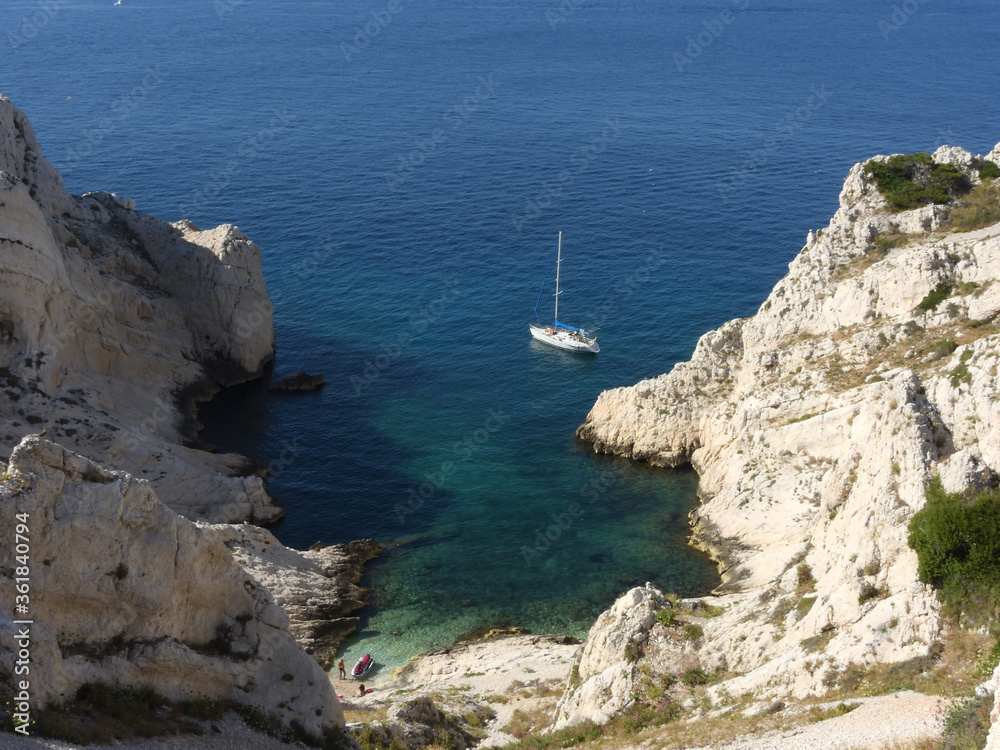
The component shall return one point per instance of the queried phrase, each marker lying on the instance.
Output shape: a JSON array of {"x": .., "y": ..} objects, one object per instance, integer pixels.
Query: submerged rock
[{"x": 300, "y": 381}]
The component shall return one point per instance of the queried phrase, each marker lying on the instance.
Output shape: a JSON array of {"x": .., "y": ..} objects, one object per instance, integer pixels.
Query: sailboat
[{"x": 559, "y": 334}]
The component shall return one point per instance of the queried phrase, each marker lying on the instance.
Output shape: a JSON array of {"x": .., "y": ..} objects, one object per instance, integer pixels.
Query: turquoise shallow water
[{"x": 407, "y": 196}]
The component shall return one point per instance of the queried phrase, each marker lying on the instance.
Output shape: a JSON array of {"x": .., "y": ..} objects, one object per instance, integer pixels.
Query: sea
[{"x": 406, "y": 168}]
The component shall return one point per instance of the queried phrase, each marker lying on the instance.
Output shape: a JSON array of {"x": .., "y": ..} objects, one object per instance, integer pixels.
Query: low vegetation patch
[
  {"x": 980, "y": 208},
  {"x": 633, "y": 652},
  {"x": 943, "y": 348},
  {"x": 935, "y": 297},
  {"x": 913, "y": 180},
  {"x": 967, "y": 724},
  {"x": 957, "y": 541},
  {"x": 868, "y": 592},
  {"x": 960, "y": 373},
  {"x": 102, "y": 714},
  {"x": 883, "y": 243},
  {"x": 666, "y": 616},
  {"x": 522, "y": 723},
  {"x": 822, "y": 714},
  {"x": 693, "y": 632},
  {"x": 695, "y": 676},
  {"x": 804, "y": 577}
]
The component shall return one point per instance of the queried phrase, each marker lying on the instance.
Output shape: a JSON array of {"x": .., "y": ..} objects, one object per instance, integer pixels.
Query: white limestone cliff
[
  {"x": 124, "y": 591},
  {"x": 815, "y": 426},
  {"x": 110, "y": 321},
  {"x": 108, "y": 316}
]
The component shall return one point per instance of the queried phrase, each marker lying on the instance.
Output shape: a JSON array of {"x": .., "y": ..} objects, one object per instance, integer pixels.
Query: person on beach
[
  {"x": 361, "y": 689},
  {"x": 343, "y": 672}
]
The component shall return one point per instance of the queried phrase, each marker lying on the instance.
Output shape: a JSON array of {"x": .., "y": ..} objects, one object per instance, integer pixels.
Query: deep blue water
[{"x": 407, "y": 184}]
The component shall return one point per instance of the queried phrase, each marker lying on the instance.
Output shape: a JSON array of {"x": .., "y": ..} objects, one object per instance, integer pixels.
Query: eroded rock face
[
  {"x": 317, "y": 588},
  {"x": 605, "y": 669},
  {"x": 126, "y": 592},
  {"x": 107, "y": 315},
  {"x": 815, "y": 426}
]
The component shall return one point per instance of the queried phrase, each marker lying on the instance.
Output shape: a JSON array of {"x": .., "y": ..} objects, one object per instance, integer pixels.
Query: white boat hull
[{"x": 563, "y": 339}]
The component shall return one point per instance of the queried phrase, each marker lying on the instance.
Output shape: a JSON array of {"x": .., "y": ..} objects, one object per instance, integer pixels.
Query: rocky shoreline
[
  {"x": 144, "y": 570},
  {"x": 814, "y": 426}
]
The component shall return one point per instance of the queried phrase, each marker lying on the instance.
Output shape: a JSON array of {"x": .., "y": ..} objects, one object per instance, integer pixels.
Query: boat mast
[{"x": 558, "y": 262}]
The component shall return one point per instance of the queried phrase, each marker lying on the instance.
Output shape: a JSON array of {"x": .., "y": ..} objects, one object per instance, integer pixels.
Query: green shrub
[
  {"x": 943, "y": 348},
  {"x": 805, "y": 576},
  {"x": 989, "y": 171},
  {"x": 935, "y": 297},
  {"x": 914, "y": 180},
  {"x": 960, "y": 373},
  {"x": 869, "y": 591},
  {"x": 695, "y": 676},
  {"x": 693, "y": 632},
  {"x": 804, "y": 606},
  {"x": 957, "y": 541},
  {"x": 666, "y": 616}
]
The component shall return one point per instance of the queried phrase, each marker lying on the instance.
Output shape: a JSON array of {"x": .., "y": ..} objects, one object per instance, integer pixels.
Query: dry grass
[
  {"x": 952, "y": 671},
  {"x": 366, "y": 714},
  {"x": 522, "y": 723},
  {"x": 980, "y": 208},
  {"x": 925, "y": 744},
  {"x": 924, "y": 352}
]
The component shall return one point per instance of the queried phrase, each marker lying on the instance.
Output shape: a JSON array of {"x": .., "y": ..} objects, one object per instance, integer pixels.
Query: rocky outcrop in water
[
  {"x": 299, "y": 382},
  {"x": 108, "y": 317},
  {"x": 815, "y": 426},
  {"x": 317, "y": 588}
]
